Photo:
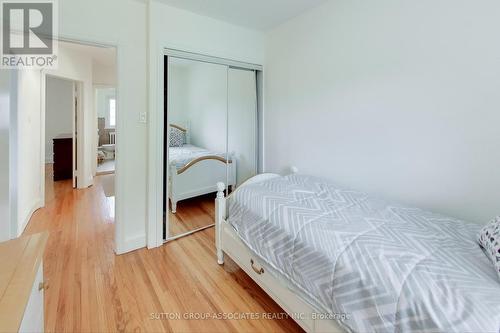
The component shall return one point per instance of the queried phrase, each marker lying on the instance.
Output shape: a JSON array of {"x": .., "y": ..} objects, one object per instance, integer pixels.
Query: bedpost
[{"x": 220, "y": 216}]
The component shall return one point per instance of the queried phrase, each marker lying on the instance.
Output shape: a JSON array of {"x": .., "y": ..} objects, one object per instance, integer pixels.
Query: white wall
[
  {"x": 103, "y": 75},
  {"x": 29, "y": 195},
  {"x": 174, "y": 28},
  {"x": 397, "y": 98},
  {"x": 58, "y": 112},
  {"x": 5, "y": 102}
]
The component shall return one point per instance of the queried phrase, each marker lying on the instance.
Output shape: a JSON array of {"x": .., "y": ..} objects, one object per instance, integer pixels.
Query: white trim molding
[{"x": 211, "y": 59}]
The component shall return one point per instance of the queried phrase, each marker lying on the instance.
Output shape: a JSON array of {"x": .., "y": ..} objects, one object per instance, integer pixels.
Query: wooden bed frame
[
  {"x": 227, "y": 242},
  {"x": 199, "y": 176}
]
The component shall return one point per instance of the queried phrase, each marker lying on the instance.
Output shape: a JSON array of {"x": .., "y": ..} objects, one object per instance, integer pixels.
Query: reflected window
[{"x": 112, "y": 112}]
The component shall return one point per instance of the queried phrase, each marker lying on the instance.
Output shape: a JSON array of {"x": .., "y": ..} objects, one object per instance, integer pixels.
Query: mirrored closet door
[
  {"x": 210, "y": 136},
  {"x": 197, "y": 145}
]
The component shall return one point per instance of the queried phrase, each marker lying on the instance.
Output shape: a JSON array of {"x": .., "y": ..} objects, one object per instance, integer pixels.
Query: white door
[
  {"x": 242, "y": 122},
  {"x": 75, "y": 133}
]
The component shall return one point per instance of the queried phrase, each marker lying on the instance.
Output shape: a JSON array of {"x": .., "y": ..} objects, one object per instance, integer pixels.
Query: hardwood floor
[
  {"x": 192, "y": 214},
  {"x": 93, "y": 290}
]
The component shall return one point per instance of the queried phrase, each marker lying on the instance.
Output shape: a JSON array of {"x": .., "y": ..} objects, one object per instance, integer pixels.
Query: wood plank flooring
[
  {"x": 192, "y": 214},
  {"x": 93, "y": 290}
]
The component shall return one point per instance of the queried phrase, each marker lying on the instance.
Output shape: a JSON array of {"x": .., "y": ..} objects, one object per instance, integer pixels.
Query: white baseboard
[
  {"x": 37, "y": 205},
  {"x": 131, "y": 244}
]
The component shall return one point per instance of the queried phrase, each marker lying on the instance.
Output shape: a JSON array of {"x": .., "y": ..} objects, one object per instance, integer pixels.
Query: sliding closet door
[
  {"x": 242, "y": 122},
  {"x": 211, "y": 136},
  {"x": 197, "y": 143}
]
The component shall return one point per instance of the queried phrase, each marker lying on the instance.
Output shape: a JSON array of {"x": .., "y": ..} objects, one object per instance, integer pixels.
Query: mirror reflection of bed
[
  {"x": 194, "y": 173},
  {"x": 211, "y": 137}
]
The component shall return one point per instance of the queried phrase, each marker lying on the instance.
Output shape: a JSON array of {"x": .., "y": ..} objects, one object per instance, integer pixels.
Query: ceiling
[{"x": 255, "y": 14}]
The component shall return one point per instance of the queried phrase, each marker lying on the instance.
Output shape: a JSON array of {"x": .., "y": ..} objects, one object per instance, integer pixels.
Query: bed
[
  {"x": 341, "y": 260},
  {"x": 195, "y": 171}
]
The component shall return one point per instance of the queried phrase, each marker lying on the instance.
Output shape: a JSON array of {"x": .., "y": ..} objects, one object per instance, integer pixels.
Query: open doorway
[
  {"x": 79, "y": 132},
  {"x": 105, "y": 103},
  {"x": 61, "y": 112}
]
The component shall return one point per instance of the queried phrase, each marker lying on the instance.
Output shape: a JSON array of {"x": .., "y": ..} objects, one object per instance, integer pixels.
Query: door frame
[
  {"x": 156, "y": 133},
  {"x": 120, "y": 246},
  {"x": 76, "y": 113}
]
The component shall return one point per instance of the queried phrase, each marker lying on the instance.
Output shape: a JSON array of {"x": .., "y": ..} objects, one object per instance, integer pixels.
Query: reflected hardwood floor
[
  {"x": 93, "y": 290},
  {"x": 192, "y": 214}
]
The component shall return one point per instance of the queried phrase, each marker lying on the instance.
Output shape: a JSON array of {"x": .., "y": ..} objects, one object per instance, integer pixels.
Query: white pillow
[{"x": 489, "y": 239}]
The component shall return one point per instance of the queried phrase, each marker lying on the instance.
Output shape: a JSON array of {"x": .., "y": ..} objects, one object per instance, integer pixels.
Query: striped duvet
[{"x": 380, "y": 267}]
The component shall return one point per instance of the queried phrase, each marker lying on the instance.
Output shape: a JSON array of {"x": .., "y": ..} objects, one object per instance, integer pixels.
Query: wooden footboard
[
  {"x": 199, "y": 177},
  {"x": 203, "y": 158}
]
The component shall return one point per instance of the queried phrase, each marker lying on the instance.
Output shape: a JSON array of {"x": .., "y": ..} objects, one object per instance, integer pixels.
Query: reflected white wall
[{"x": 198, "y": 100}]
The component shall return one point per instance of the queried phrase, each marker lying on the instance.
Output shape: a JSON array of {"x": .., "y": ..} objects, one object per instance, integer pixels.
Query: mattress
[
  {"x": 369, "y": 264},
  {"x": 181, "y": 156}
]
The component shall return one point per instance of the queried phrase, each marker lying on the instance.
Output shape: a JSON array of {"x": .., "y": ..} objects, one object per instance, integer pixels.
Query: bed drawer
[
  {"x": 258, "y": 271},
  {"x": 33, "y": 315},
  {"x": 21, "y": 283}
]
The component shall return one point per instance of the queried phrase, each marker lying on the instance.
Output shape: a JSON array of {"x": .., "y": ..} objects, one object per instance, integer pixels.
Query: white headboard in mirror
[{"x": 185, "y": 127}]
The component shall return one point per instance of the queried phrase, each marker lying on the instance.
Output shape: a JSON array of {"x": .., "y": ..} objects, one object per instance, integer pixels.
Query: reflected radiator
[{"x": 112, "y": 138}]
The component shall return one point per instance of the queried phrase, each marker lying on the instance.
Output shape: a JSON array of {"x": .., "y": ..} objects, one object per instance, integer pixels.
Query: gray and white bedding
[
  {"x": 385, "y": 267},
  {"x": 180, "y": 156}
]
